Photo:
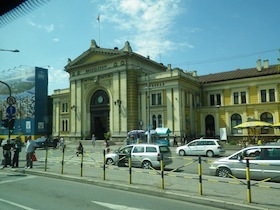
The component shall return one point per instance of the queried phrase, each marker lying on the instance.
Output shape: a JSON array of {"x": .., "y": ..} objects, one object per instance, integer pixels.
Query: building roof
[{"x": 239, "y": 74}]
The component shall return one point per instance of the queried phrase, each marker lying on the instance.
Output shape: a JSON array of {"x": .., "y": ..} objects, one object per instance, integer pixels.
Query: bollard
[
  {"x": 248, "y": 181},
  {"x": 162, "y": 171},
  {"x": 104, "y": 164},
  {"x": 200, "y": 175},
  {"x": 130, "y": 171},
  {"x": 82, "y": 159},
  {"x": 62, "y": 161},
  {"x": 46, "y": 158}
]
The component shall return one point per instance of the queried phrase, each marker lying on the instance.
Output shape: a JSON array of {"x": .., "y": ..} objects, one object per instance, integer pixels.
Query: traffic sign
[
  {"x": 11, "y": 100},
  {"x": 10, "y": 112}
]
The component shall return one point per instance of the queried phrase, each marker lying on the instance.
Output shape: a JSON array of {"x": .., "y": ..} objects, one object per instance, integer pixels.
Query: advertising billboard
[{"x": 29, "y": 87}]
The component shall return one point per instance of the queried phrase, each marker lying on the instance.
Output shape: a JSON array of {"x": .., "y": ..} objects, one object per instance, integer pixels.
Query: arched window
[
  {"x": 210, "y": 126},
  {"x": 267, "y": 117},
  {"x": 235, "y": 120}
]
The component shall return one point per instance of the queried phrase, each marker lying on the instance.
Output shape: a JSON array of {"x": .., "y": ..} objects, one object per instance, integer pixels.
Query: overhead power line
[{"x": 214, "y": 60}]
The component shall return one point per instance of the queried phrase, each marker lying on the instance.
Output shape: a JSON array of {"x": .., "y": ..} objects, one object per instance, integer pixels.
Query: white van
[
  {"x": 266, "y": 165},
  {"x": 208, "y": 147},
  {"x": 142, "y": 155}
]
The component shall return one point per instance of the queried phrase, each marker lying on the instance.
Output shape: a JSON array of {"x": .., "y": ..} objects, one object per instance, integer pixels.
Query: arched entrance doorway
[
  {"x": 210, "y": 126},
  {"x": 99, "y": 114}
]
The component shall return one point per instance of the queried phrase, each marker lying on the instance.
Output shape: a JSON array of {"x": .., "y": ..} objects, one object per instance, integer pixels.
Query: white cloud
[
  {"x": 58, "y": 79},
  {"x": 48, "y": 28},
  {"x": 56, "y": 39},
  {"x": 148, "y": 24}
]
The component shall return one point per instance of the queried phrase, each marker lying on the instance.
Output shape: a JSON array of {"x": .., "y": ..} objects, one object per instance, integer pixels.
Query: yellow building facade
[{"x": 116, "y": 90}]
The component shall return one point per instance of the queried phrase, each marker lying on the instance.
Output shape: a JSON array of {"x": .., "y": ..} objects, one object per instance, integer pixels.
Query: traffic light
[
  {"x": 5, "y": 123},
  {"x": 11, "y": 125}
]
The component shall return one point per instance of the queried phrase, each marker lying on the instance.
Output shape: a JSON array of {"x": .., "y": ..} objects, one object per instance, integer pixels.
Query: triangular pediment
[{"x": 96, "y": 54}]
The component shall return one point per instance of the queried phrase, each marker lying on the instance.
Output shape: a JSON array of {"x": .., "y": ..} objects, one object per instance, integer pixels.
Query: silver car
[
  {"x": 208, "y": 147},
  {"x": 265, "y": 165},
  {"x": 142, "y": 155}
]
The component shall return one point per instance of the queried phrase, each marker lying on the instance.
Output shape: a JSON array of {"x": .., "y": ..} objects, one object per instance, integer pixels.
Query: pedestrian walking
[
  {"x": 80, "y": 149},
  {"x": 30, "y": 150},
  {"x": 7, "y": 153},
  {"x": 107, "y": 146},
  {"x": 93, "y": 140},
  {"x": 184, "y": 139},
  {"x": 175, "y": 143},
  {"x": 61, "y": 142},
  {"x": 17, "y": 149}
]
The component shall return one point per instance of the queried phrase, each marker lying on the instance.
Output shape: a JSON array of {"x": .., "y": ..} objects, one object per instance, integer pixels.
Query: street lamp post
[
  {"x": 149, "y": 112},
  {"x": 149, "y": 103}
]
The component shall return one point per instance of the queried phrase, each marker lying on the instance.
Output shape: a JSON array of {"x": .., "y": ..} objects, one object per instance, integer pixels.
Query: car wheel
[
  {"x": 223, "y": 172},
  {"x": 146, "y": 164},
  {"x": 182, "y": 152},
  {"x": 209, "y": 153},
  {"x": 110, "y": 161}
]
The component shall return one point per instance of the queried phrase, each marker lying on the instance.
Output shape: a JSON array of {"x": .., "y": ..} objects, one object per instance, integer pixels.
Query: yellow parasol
[{"x": 253, "y": 124}]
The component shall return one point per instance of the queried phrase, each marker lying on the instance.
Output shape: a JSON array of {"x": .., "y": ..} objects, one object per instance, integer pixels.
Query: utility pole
[{"x": 149, "y": 112}]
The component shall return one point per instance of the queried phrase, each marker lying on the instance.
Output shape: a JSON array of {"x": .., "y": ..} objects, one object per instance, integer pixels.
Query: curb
[{"x": 153, "y": 192}]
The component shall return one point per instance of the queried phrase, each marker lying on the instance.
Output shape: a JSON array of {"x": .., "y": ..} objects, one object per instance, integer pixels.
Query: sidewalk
[{"x": 218, "y": 192}]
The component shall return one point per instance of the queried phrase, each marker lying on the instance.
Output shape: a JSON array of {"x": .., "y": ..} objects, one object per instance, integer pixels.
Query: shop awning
[{"x": 163, "y": 131}]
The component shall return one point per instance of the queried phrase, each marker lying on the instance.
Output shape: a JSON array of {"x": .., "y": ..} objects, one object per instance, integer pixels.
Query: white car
[
  {"x": 264, "y": 164},
  {"x": 208, "y": 147},
  {"x": 142, "y": 155}
]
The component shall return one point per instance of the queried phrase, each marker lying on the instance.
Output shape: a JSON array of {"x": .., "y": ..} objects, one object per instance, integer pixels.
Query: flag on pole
[{"x": 98, "y": 18}]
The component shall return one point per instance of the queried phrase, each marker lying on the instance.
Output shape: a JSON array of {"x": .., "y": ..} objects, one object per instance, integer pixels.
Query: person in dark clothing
[
  {"x": 17, "y": 149},
  {"x": 80, "y": 149},
  {"x": 7, "y": 153},
  {"x": 175, "y": 143}
]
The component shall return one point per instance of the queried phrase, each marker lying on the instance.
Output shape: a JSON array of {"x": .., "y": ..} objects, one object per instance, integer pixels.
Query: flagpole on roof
[{"x": 98, "y": 19}]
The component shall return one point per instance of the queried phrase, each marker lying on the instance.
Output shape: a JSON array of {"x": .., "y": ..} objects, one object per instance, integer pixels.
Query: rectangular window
[
  {"x": 235, "y": 98},
  {"x": 156, "y": 99},
  {"x": 267, "y": 95},
  {"x": 64, "y": 107},
  {"x": 263, "y": 95},
  {"x": 271, "y": 95},
  {"x": 215, "y": 99},
  {"x": 159, "y": 98},
  {"x": 212, "y": 100},
  {"x": 239, "y": 97},
  {"x": 243, "y": 97},
  {"x": 218, "y": 99}
]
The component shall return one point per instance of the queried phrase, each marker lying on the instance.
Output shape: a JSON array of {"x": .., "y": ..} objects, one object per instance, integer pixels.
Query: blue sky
[{"x": 208, "y": 36}]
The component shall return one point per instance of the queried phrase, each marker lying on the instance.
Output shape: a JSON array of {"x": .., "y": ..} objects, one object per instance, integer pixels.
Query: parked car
[
  {"x": 43, "y": 142},
  {"x": 266, "y": 165},
  {"x": 142, "y": 155},
  {"x": 208, "y": 147}
]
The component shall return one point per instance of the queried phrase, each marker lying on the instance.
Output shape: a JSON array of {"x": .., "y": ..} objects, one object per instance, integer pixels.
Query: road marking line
[
  {"x": 19, "y": 179},
  {"x": 15, "y": 204},
  {"x": 115, "y": 207}
]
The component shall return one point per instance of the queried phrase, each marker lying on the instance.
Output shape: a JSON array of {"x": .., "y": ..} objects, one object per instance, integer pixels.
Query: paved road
[
  {"x": 219, "y": 192},
  {"x": 39, "y": 193}
]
